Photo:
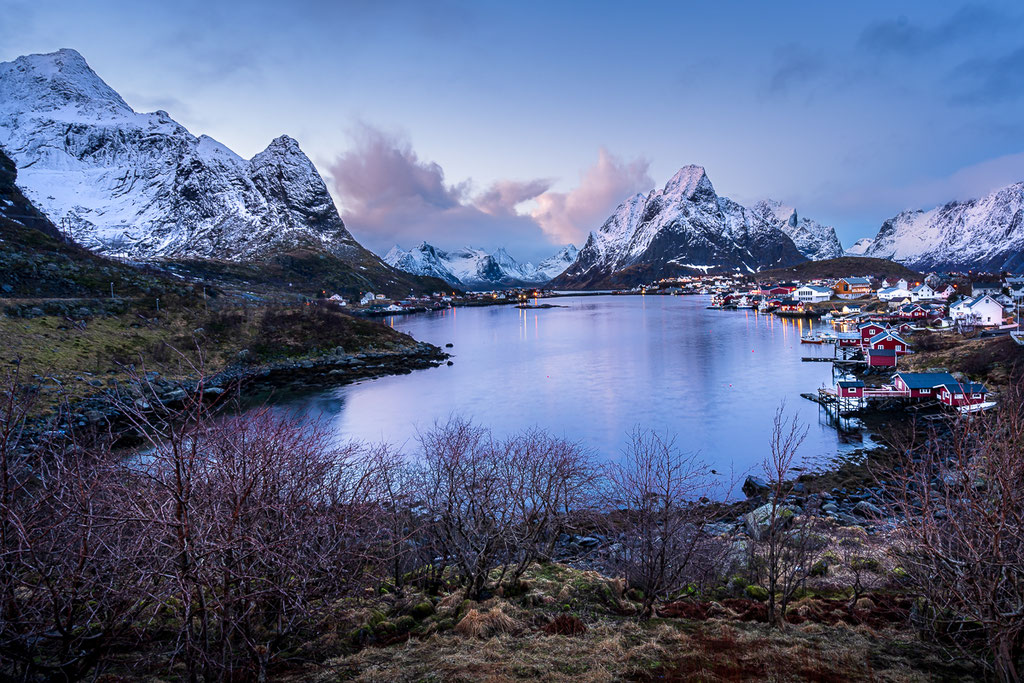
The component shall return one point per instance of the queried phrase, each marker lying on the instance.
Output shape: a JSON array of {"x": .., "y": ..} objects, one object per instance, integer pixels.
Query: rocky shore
[{"x": 150, "y": 390}]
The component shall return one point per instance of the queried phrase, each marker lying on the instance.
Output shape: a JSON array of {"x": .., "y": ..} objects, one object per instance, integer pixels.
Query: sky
[{"x": 524, "y": 124}]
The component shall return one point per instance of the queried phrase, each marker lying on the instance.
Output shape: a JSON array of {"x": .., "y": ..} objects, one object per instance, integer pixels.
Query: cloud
[
  {"x": 504, "y": 196},
  {"x": 900, "y": 36},
  {"x": 988, "y": 80},
  {"x": 569, "y": 216},
  {"x": 389, "y": 195},
  {"x": 793, "y": 67}
]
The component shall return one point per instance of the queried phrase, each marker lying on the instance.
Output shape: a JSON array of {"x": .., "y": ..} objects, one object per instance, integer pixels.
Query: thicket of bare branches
[
  {"x": 960, "y": 497},
  {"x": 654, "y": 511},
  {"x": 498, "y": 504},
  {"x": 782, "y": 552}
]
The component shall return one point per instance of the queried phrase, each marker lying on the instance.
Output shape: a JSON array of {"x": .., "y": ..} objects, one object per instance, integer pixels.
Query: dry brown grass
[
  {"x": 673, "y": 650},
  {"x": 484, "y": 622}
]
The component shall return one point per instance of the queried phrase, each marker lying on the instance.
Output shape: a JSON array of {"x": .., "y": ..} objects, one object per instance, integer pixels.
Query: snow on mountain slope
[
  {"x": 683, "y": 227},
  {"x": 475, "y": 268},
  {"x": 554, "y": 266},
  {"x": 860, "y": 246},
  {"x": 814, "y": 240},
  {"x": 979, "y": 234},
  {"x": 141, "y": 185}
]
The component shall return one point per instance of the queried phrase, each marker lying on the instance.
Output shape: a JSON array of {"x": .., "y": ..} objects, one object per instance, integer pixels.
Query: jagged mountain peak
[
  {"x": 980, "y": 234},
  {"x": 476, "y": 268},
  {"x": 690, "y": 181},
  {"x": 143, "y": 186},
  {"x": 684, "y": 227},
  {"x": 55, "y": 81}
]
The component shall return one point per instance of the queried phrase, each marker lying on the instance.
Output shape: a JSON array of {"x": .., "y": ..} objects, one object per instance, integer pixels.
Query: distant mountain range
[
  {"x": 686, "y": 228},
  {"x": 476, "y": 269},
  {"x": 984, "y": 234},
  {"x": 142, "y": 186}
]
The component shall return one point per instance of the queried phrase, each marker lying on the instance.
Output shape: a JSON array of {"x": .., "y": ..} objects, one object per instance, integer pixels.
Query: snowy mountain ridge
[
  {"x": 687, "y": 227},
  {"x": 474, "y": 268},
  {"x": 978, "y": 234},
  {"x": 141, "y": 185}
]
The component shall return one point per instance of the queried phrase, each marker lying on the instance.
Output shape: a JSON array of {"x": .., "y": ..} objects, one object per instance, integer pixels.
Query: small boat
[{"x": 812, "y": 339}]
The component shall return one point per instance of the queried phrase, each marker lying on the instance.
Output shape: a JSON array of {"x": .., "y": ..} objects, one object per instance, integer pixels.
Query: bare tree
[
  {"x": 69, "y": 580},
  {"x": 257, "y": 523},
  {"x": 784, "y": 542},
  {"x": 655, "y": 514},
  {"x": 961, "y": 539},
  {"x": 498, "y": 505}
]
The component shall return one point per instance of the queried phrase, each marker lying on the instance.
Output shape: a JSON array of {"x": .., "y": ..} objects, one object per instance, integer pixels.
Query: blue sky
[{"x": 525, "y": 123}]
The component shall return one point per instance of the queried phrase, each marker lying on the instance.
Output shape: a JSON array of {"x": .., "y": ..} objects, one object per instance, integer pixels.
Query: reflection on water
[{"x": 594, "y": 370}]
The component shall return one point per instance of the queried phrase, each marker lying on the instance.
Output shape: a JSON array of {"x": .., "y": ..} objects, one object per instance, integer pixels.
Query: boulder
[{"x": 754, "y": 487}]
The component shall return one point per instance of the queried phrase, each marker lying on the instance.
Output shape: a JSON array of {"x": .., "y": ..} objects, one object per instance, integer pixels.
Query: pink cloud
[
  {"x": 570, "y": 216},
  {"x": 389, "y": 195}
]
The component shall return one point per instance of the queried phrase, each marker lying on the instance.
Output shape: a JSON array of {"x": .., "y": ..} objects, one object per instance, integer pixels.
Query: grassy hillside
[{"x": 846, "y": 266}]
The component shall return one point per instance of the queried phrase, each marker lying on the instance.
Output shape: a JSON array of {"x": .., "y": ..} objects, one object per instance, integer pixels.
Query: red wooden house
[
  {"x": 870, "y": 329},
  {"x": 850, "y": 388},
  {"x": 881, "y": 358},
  {"x": 780, "y": 291},
  {"x": 956, "y": 394},
  {"x": 920, "y": 384},
  {"x": 890, "y": 341}
]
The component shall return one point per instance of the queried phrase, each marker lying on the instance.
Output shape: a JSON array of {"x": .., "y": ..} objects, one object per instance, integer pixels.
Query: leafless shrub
[
  {"x": 498, "y": 504},
  {"x": 256, "y": 524},
  {"x": 655, "y": 515},
  {"x": 961, "y": 540},
  {"x": 784, "y": 546},
  {"x": 69, "y": 583}
]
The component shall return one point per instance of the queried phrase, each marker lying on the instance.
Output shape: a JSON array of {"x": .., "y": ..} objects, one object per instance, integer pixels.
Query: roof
[
  {"x": 881, "y": 352},
  {"x": 816, "y": 288},
  {"x": 965, "y": 387},
  {"x": 971, "y": 303},
  {"x": 849, "y": 383},
  {"x": 882, "y": 335},
  {"x": 868, "y": 323},
  {"x": 920, "y": 287},
  {"x": 856, "y": 281},
  {"x": 925, "y": 380}
]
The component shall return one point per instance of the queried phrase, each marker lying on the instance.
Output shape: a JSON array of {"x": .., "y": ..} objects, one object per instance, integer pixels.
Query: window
[
  {"x": 959, "y": 396},
  {"x": 926, "y": 391},
  {"x": 899, "y": 347},
  {"x": 975, "y": 395}
]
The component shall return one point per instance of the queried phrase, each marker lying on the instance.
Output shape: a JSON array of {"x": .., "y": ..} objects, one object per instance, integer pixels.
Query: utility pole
[{"x": 111, "y": 290}]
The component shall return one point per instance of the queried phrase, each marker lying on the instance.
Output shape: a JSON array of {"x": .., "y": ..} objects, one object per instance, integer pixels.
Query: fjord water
[{"x": 594, "y": 370}]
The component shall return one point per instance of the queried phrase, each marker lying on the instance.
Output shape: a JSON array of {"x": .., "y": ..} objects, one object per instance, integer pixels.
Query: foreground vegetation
[{"x": 250, "y": 546}]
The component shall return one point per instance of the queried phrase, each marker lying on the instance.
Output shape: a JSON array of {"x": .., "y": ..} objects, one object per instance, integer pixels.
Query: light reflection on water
[{"x": 594, "y": 370}]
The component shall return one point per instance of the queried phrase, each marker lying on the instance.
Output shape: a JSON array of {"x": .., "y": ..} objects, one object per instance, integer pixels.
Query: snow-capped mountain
[
  {"x": 814, "y": 240},
  {"x": 553, "y": 266},
  {"x": 860, "y": 246},
  {"x": 140, "y": 185},
  {"x": 474, "y": 268},
  {"x": 685, "y": 227},
  {"x": 980, "y": 234}
]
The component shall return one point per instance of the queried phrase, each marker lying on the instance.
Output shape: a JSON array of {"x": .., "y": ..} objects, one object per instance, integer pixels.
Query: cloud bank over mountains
[{"x": 389, "y": 195}]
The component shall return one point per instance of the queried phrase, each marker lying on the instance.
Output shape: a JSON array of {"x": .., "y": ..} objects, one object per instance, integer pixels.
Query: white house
[
  {"x": 979, "y": 288},
  {"x": 922, "y": 292},
  {"x": 812, "y": 293},
  {"x": 983, "y": 310},
  {"x": 1016, "y": 287},
  {"x": 896, "y": 293},
  {"x": 367, "y": 299},
  {"x": 339, "y": 299},
  {"x": 899, "y": 284},
  {"x": 946, "y": 293}
]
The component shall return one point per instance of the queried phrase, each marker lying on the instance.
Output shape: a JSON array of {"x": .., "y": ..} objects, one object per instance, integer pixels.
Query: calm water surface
[{"x": 594, "y": 370}]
